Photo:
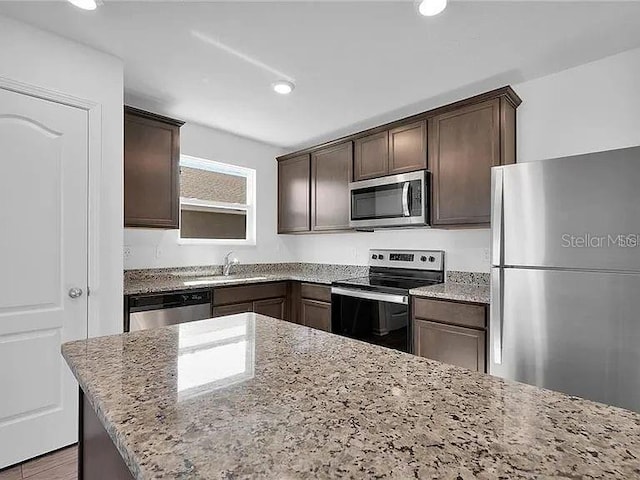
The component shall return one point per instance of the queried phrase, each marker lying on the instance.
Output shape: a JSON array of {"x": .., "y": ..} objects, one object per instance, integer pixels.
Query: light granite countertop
[
  {"x": 455, "y": 291},
  {"x": 166, "y": 280},
  {"x": 248, "y": 396}
]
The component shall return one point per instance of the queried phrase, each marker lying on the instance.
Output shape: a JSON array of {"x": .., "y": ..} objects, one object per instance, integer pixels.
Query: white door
[{"x": 43, "y": 255}]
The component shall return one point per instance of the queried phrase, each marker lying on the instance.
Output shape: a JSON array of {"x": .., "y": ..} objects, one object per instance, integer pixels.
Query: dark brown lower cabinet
[
  {"x": 315, "y": 314},
  {"x": 461, "y": 346},
  {"x": 450, "y": 332},
  {"x": 98, "y": 457},
  {"x": 273, "y": 307},
  {"x": 308, "y": 304},
  {"x": 265, "y": 298}
]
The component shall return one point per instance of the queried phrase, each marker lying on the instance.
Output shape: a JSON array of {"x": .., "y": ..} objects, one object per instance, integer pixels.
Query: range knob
[
  {"x": 423, "y": 258},
  {"x": 432, "y": 259},
  {"x": 381, "y": 257},
  {"x": 374, "y": 256}
]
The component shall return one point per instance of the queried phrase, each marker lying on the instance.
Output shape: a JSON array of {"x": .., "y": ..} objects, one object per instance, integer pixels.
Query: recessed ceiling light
[
  {"x": 85, "y": 4},
  {"x": 283, "y": 87},
  {"x": 429, "y": 8}
]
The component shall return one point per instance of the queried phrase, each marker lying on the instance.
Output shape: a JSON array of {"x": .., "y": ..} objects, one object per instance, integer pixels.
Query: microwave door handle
[{"x": 405, "y": 199}]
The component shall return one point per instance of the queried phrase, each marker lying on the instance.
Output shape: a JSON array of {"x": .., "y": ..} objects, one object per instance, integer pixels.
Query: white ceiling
[{"x": 354, "y": 63}]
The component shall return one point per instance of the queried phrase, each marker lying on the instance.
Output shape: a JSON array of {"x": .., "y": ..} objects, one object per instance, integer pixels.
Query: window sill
[{"x": 217, "y": 241}]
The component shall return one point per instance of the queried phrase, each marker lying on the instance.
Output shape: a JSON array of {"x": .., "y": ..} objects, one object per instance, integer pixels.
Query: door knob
[{"x": 75, "y": 292}]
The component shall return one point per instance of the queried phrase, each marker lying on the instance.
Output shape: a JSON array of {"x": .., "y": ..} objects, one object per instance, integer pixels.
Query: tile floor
[{"x": 59, "y": 465}]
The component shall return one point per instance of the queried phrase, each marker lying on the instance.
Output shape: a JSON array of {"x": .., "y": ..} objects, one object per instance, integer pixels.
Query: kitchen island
[{"x": 247, "y": 396}]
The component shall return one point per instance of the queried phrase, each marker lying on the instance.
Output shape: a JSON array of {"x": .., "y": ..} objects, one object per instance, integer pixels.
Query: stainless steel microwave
[{"x": 392, "y": 201}]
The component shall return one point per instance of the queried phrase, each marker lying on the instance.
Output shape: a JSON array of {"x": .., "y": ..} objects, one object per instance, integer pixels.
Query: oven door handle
[
  {"x": 405, "y": 199},
  {"x": 369, "y": 295}
]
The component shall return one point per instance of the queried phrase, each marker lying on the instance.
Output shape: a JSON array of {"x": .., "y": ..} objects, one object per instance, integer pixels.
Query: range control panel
[{"x": 417, "y": 259}]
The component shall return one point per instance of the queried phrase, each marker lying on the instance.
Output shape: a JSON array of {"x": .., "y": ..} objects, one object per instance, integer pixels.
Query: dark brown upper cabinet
[
  {"x": 331, "y": 172},
  {"x": 151, "y": 170},
  {"x": 372, "y": 156},
  {"x": 458, "y": 143},
  {"x": 399, "y": 150},
  {"x": 294, "y": 183},
  {"x": 464, "y": 144},
  {"x": 408, "y": 148}
]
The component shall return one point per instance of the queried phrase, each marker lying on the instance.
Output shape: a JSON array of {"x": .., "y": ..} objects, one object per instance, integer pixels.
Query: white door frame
[{"x": 94, "y": 142}]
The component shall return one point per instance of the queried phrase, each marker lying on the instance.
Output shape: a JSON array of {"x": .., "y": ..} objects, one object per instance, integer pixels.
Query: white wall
[
  {"x": 591, "y": 107},
  {"x": 159, "y": 248},
  {"x": 41, "y": 59},
  {"x": 588, "y": 108}
]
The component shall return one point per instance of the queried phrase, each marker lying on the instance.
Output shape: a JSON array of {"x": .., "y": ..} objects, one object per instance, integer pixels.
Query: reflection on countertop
[
  {"x": 291, "y": 402},
  {"x": 213, "y": 355}
]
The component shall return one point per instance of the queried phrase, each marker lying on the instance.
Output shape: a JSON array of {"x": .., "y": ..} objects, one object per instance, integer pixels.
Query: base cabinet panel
[
  {"x": 464, "y": 347},
  {"x": 98, "y": 457},
  {"x": 274, "y": 307},
  {"x": 316, "y": 314}
]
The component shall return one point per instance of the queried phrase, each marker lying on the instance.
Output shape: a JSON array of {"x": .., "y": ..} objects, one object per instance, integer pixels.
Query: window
[{"x": 217, "y": 202}]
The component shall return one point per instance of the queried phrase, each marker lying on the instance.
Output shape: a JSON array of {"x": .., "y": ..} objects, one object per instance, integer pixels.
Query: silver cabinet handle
[{"x": 75, "y": 292}]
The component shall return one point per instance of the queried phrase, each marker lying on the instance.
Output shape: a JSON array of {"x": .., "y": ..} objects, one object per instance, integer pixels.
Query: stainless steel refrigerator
[{"x": 565, "y": 310}]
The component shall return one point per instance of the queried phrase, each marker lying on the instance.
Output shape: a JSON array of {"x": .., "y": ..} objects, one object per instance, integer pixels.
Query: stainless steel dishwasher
[{"x": 162, "y": 309}]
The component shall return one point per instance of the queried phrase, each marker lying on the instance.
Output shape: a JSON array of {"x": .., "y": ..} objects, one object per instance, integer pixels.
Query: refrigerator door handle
[
  {"x": 495, "y": 316},
  {"x": 497, "y": 216}
]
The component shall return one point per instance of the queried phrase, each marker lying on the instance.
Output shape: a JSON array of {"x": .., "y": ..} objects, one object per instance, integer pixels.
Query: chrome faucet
[{"x": 227, "y": 264}]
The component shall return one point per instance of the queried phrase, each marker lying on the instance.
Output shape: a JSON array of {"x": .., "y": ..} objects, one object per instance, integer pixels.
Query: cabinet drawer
[
  {"x": 315, "y": 292},
  {"x": 232, "y": 309},
  {"x": 464, "y": 347},
  {"x": 248, "y": 293},
  {"x": 450, "y": 312}
]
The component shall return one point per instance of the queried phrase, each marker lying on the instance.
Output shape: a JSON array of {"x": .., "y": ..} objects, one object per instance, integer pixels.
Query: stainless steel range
[{"x": 375, "y": 308}]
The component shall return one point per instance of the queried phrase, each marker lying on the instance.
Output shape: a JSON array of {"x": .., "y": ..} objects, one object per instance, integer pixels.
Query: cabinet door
[
  {"x": 463, "y": 146},
  {"x": 372, "y": 156},
  {"x": 151, "y": 170},
  {"x": 408, "y": 148},
  {"x": 232, "y": 309},
  {"x": 464, "y": 347},
  {"x": 274, "y": 307},
  {"x": 316, "y": 314},
  {"x": 331, "y": 172},
  {"x": 293, "y": 195}
]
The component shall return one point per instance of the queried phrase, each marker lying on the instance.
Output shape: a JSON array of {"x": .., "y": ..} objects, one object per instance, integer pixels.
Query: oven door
[
  {"x": 373, "y": 317},
  {"x": 396, "y": 200}
]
